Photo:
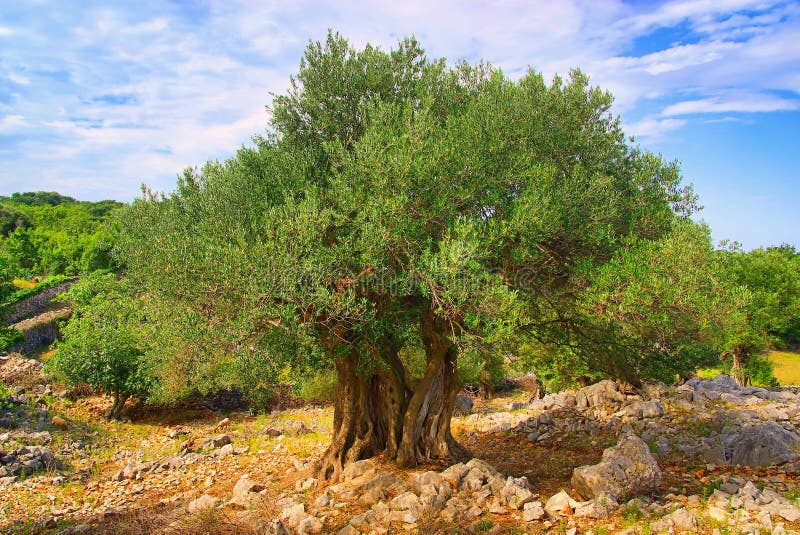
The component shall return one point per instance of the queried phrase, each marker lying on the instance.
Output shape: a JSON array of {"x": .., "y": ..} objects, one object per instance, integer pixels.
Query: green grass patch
[{"x": 709, "y": 373}]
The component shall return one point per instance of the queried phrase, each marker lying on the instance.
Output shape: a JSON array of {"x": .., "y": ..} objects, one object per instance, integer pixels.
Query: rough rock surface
[
  {"x": 602, "y": 395},
  {"x": 626, "y": 470},
  {"x": 462, "y": 405},
  {"x": 27, "y": 460},
  {"x": 762, "y": 444}
]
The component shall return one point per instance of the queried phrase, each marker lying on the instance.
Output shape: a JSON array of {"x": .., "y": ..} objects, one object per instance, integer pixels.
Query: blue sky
[{"x": 99, "y": 97}]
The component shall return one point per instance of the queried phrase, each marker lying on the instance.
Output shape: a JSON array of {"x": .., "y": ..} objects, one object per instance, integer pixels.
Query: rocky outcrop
[
  {"x": 626, "y": 470},
  {"x": 641, "y": 409},
  {"x": 602, "y": 395},
  {"x": 762, "y": 444},
  {"x": 531, "y": 385},
  {"x": 27, "y": 460}
]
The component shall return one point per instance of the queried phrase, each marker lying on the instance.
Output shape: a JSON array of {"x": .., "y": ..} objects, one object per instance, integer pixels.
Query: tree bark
[
  {"x": 116, "y": 408},
  {"x": 738, "y": 370},
  {"x": 378, "y": 413},
  {"x": 367, "y": 417}
]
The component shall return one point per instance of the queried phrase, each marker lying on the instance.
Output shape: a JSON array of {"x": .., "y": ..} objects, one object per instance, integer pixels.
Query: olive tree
[
  {"x": 102, "y": 343},
  {"x": 395, "y": 202},
  {"x": 770, "y": 316}
]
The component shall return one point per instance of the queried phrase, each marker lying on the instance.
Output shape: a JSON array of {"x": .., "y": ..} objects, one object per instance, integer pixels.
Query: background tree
[
  {"x": 400, "y": 204},
  {"x": 44, "y": 233},
  {"x": 102, "y": 344},
  {"x": 771, "y": 316}
]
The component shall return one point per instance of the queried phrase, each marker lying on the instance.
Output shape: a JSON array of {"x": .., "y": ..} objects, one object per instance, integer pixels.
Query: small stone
[
  {"x": 309, "y": 525},
  {"x": 305, "y": 484},
  {"x": 559, "y": 504},
  {"x": 358, "y": 469},
  {"x": 58, "y": 421},
  {"x": 225, "y": 422},
  {"x": 204, "y": 502},
  {"x": 533, "y": 511},
  {"x": 716, "y": 513},
  {"x": 225, "y": 450},
  {"x": 472, "y": 513},
  {"x": 323, "y": 500},
  {"x": 293, "y": 514},
  {"x": 790, "y": 513},
  {"x": 683, "y": 520}
]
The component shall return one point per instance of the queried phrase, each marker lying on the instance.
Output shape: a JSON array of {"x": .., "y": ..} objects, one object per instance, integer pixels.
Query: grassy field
[{"x": 787, "y": 366}]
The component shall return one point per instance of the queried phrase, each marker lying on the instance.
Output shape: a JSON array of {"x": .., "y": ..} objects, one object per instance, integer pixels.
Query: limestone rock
[
  {"x": 533, "y": 511},
  {"x": 560, "y": 504},
  {"x": 309, "y": 525},
  {"x": 203, "y": 503},
  {"x": 642, "y": 409},
  {"x": 515, "y": 493},
  {"x": 215, "y": 442},
  {"x": 453, "y": 474},
  {"x": 244, "y": 490},
  {"x": 763, "y": 444},
  {"x": 680, "y": 520},
  {"x": 357, "y": 469},
  {"x": 532, "y": 385},
  {"x": 462, "y": 405},
  {"x": 627, "y": 469},
  {"x": 602, "y": 395}
]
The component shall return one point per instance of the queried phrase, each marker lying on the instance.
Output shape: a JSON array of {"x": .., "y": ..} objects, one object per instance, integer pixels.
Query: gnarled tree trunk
[
  {"x": 115, "y": 413},
  {"x": 378, "y": 412},
  {"x": 738, "y": 371}
]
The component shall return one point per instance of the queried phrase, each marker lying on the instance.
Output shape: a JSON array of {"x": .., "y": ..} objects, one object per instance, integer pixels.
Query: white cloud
[
  {"x": 110, "y": 87},
  {"x": 652, "y": 128},
  {"x": 18, "y": 79},
  {"x": 10, "y": 123},
  {"x": 745, "y": 104}
]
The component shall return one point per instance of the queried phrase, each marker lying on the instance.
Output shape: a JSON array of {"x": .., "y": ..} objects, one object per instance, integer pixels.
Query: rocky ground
[{"x": 705, "y": 457}]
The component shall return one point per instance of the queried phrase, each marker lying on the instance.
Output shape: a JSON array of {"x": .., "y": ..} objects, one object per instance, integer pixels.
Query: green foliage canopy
[
  {"x": 399, "y": 202},
  {"x": 44, "y": 233},
  {"x": 103, "y": 341},
  {"x": 770, "y": 317}
]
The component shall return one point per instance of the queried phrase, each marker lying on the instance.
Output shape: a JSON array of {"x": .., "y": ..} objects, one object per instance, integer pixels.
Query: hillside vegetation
[{"x": 46, "y": 234}]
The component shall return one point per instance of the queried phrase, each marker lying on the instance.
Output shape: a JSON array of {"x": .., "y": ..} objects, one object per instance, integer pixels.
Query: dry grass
[
  {"x": 25, "y": 284},
  {"x": 787, "y": 366}
]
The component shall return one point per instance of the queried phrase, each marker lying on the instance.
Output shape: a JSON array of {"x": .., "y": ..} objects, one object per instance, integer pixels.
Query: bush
[
  {"x": 761, "y": 371},
  {"x": 5, "y": 404},
  {"x": 322, "y": 386},
  {"x": 103, "y": 344},
  {"x": 9, "y": 337}
]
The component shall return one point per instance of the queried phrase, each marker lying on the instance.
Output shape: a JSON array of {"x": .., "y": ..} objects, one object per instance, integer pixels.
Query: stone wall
[
  {"x": 36, "y": 304},
  {"x": 40, "y": 331}
]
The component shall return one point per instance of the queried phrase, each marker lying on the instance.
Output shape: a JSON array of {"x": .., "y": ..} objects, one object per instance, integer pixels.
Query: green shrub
[
  {"x": 322, "y": 386},
  {"x": 9, "y": 337},
  {"x": 761, "y": 371},
  {"x": 103, "y": 344},
  {"x": 5, "y": 404}
]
